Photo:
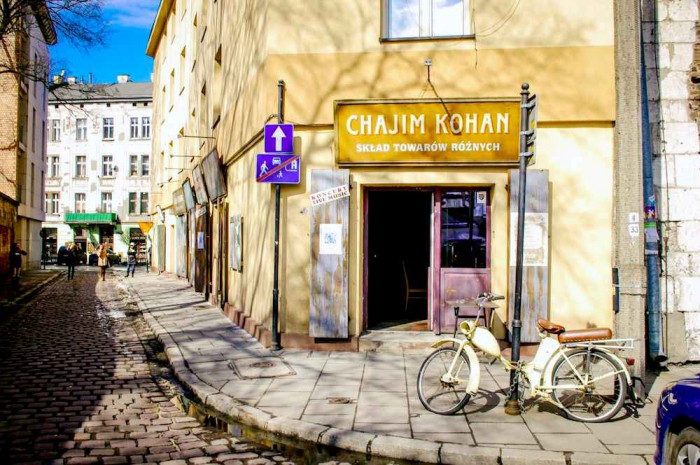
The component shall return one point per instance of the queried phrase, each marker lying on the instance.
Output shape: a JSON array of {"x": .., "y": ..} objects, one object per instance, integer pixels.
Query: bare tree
[{"x": 81, "y": 22}]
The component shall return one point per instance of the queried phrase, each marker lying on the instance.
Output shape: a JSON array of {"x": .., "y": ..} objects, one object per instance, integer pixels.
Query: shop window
[{"x": 425, "y": 19}]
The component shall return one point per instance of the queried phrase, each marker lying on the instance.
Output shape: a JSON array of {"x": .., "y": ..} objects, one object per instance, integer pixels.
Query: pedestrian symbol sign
[{"x": 278, "y": 169}]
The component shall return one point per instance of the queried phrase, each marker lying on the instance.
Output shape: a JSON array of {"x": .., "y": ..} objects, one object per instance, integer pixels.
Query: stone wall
[{"x": 673, "y": 67}]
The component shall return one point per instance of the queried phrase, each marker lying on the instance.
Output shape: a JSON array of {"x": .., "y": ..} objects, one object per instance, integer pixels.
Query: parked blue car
[{"x": 678, "y": 424}]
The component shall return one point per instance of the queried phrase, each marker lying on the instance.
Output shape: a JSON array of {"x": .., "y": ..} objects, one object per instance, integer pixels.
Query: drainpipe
[{"x": 651, "y": 235}]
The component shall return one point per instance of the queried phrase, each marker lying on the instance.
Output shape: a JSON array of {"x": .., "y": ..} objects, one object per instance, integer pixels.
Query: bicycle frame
[{"x": 540, "y": 371}]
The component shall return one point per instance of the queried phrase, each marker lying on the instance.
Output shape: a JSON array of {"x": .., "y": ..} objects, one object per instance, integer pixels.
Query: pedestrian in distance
[
  {"x": 71, "y": 258},
  {"x": 131, "y": 260},
  {"x": 102, "y": 260},
  {"x": 16, "y": 253}
]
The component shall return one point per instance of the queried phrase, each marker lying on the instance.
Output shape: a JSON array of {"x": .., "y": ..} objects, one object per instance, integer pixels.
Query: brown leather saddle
[{"x": 575, "y": 335}]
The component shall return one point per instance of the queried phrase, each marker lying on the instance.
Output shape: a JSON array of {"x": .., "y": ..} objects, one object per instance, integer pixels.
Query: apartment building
[
  {"x": 407, "y": 112},
  {"x": 23, "y": 135},
  {"x": 98, "y": 166}
]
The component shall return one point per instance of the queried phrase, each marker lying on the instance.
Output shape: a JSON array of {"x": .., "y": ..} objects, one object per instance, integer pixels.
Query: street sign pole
[
  {"x": 526, "y": 138},
  {"x": 275, "y": 343}
]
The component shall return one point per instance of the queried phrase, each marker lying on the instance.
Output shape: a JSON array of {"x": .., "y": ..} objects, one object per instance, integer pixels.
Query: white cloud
[{"x": 130, "y": 13}]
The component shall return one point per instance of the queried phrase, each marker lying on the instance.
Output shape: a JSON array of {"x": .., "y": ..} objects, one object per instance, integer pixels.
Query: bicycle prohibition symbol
[{"x": 576, "y": 370}]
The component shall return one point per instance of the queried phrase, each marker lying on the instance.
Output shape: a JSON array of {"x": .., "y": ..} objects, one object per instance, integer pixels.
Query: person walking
[
  {"x": 16, "y": 253},
  {"x": 71, "y": 258},
  {"x": 131, "y": 260},
  {"x": 102, "y": 261}
]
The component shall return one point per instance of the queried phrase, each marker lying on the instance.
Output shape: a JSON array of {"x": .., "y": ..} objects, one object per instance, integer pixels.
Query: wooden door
[{"x": 461, "y": 250}]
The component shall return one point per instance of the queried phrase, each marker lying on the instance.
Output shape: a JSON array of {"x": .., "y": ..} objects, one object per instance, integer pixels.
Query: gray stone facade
[{"x": 672, "y": 53}]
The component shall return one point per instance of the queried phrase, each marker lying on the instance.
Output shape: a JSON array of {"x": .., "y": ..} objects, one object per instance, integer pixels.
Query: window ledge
[{"x": 383, "y": 40}]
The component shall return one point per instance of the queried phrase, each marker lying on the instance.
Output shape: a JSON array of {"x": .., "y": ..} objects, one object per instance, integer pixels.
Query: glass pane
[
  {"x": 448, "y": 18},
  {"x": 463, "y": 229},
  {"x": 404, "y": 18}
]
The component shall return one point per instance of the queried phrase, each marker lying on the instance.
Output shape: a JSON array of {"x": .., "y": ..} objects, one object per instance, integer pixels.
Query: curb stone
[{"x": 358, "y": 441}]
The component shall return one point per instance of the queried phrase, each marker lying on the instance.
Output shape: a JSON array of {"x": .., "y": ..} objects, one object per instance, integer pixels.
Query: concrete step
[{"x": 398, "y": 341}]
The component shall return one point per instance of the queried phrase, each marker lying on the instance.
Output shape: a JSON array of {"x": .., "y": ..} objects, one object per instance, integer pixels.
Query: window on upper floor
[
  {"x": 146, "y": 127},
  {"x": 80, "y": 202},
  {"x": 108, "y": 128},
  {"x": 107, "y": 166},
  {"x": 81, "y": 129},
  {"x": 133, "y": 165},
  {"x": 55, "y": 130},
  {"x": 425, "y": 19},
  {"x": 133, "y": 128},
  {"x": 145, "y": 165},
  {"x": 51, "y": 201},
  {"x": 80, "y": 166},
  {"x": 54, "y": 166},
  {"x": 144, "y": 203},
  {"x": 106, "y": 202}
]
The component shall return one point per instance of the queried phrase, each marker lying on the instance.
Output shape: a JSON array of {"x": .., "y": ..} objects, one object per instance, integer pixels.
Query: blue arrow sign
[
  {"x": 277, "y": 169},
  {"x": 279, "y": 138}
]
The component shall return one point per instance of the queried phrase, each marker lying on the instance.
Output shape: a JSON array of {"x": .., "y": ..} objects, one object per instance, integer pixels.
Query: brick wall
[{"x": 9, "y": 102}]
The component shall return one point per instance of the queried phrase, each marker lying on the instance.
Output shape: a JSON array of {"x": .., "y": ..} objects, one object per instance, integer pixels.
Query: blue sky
[{"x": 124, "y": 51}]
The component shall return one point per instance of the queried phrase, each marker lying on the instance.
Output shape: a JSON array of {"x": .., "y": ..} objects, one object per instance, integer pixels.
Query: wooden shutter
[{"x": 328, "y": 313}]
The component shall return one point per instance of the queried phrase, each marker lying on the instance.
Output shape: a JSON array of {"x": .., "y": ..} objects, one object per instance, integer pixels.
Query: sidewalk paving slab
[{"x": 366, "y": 402}]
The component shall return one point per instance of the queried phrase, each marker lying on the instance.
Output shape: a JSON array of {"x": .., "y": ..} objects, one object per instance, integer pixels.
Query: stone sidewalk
[
  {"x": 367, "y": 402},
  {"x": 13, "y": 291}
]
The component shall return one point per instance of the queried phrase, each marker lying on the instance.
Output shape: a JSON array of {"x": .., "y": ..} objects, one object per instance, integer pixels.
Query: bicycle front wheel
[
  {"x": 589, "y": 386},
  {"x": 436, "y": 392}
]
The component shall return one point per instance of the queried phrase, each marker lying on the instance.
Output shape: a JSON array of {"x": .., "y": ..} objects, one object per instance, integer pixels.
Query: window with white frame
[
  {"x": 80, "y": 202},
  {"x": 144, "y": 203},
  {"x": 80, "y": 166},
  {"x": 81, "y": 129},
  {"x": 51, "y": 201},
  {"x": 132, "y": 203},
  {"x": 425, "y": 19},
  {"x": 108, "y": 128},
  {"x": 107, "y": 165},
  {"x": 106, "y": 202},
  {"x": 54, "y": 166},
  {"x": 133, "y": 128},
  {"x": 145, "y": 165},
  {"x": 133, "y": 165},
  {"x": 55, "y": 130},
  {"x": 146, "y": 127}
]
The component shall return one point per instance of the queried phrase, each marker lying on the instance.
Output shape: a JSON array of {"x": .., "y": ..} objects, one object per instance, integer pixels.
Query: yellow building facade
[{"x": 418, "y": 227}]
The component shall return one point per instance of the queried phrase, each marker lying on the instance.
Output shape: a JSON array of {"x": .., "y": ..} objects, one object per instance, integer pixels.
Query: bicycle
[{"x": 577, "y": 370}]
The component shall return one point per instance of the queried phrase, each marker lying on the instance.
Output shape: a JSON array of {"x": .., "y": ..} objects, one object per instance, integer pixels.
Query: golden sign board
[{"x": 390, "y": 132}]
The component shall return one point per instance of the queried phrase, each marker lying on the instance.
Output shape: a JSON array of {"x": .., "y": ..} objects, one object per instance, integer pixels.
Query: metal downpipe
[{"x": 651, "y": 235}]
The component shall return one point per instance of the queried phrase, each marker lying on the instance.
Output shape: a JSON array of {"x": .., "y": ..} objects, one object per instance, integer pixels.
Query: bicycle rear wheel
[
  {"x": 590, "y": 386},
  {"x": 436, "y": 394}
]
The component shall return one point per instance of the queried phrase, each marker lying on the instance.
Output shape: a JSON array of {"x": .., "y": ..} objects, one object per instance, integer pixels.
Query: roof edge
[{"x": 158, "y": 26}]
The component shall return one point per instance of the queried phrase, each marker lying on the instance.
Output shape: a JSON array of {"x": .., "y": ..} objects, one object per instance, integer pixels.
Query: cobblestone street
[{"x": 76, "y": 387}]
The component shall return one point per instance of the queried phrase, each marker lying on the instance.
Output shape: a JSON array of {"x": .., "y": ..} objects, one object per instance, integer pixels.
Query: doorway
[{"x": 399, "y": 227}]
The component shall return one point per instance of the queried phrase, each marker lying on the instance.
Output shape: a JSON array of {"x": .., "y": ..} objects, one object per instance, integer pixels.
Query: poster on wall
[
  {"x": 331, "y": 239},
  {"x": 236, "y": 242},
  {"x": 188, "y": 194},
  {"x": 214, "y": 175},
  {"x": 200, "y": 190}
]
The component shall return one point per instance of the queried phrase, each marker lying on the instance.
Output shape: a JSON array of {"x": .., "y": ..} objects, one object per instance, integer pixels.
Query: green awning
[{"x": 91, "y": 218}]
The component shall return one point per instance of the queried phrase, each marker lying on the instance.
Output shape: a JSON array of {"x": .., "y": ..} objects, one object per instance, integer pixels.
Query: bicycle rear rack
[{"x": 614, "y": 344}]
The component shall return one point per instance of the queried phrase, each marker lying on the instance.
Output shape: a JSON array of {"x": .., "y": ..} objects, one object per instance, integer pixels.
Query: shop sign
[{"x": 389, "y": 132}]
